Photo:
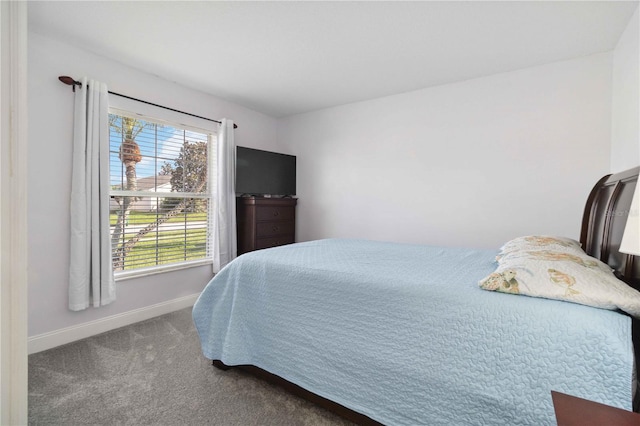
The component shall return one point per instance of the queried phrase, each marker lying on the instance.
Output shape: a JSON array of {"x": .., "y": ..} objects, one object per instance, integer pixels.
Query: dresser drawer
[
  {"x": 264, "y": 213},
  {"x": 262, "y": 243},
  {"x": 268, "y": 229}
]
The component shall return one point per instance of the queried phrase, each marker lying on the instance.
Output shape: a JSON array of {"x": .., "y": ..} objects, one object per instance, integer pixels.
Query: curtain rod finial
[{"x": 69, "y": 81}]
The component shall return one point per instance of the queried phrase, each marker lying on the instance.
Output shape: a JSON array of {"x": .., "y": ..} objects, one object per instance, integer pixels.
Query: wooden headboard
[{"x": 603, "y": 222}]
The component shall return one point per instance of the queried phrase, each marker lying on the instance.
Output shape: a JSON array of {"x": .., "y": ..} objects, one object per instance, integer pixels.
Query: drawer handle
[
  {"x": 276, "y": 213},
  {"x": 276, "y": 228}
]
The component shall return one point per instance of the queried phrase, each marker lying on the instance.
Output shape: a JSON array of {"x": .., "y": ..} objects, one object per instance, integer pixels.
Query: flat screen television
[{"x": 262, "y": 173}]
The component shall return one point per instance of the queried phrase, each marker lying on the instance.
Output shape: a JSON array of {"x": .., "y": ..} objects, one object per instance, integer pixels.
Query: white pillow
[
  {"x": 568, "y": 276},
  {"x": 540, "y": 242}
]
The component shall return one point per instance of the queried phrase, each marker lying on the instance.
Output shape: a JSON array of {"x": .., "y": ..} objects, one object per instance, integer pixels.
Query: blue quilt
[{"x": 403, "y": 334}]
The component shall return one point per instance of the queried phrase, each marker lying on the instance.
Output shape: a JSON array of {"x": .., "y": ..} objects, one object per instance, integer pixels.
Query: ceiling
[{"x": 285, "y": 58}]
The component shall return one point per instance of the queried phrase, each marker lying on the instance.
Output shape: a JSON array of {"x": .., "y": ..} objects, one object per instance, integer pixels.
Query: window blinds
[{"x": 159, "y": 192}]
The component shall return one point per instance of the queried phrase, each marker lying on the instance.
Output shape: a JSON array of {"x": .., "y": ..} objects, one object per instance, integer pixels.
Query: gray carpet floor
[{"x": 153, "y": 373}]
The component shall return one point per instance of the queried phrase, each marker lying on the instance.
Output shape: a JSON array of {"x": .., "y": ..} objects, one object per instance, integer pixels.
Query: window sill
[{"x": 144, "y": 272}]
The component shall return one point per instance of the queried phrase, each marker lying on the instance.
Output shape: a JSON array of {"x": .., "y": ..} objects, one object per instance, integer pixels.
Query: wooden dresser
[{"x": 265, "y": 222}]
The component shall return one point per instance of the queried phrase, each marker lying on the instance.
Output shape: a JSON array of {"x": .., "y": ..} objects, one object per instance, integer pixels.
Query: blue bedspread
[{"x": 403, "y": 334}]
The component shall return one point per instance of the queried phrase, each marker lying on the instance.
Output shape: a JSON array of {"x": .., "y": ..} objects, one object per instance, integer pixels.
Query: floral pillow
[
  {"x": 567, "y": 276},
  {"x": 540, "y": 242}
]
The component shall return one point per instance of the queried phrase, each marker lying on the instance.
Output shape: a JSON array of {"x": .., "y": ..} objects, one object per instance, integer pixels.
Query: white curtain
[
  {"x": 223, "y": 242},
  {"x": 91, "y": 280}
]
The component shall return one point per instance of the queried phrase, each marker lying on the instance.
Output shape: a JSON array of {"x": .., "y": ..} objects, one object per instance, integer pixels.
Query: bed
[{"x": 402, "y": 334}]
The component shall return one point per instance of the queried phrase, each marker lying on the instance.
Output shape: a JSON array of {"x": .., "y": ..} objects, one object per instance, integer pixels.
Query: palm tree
[
  {"x": 129, "y": 149},
  {"x": 129, "y": 154}
]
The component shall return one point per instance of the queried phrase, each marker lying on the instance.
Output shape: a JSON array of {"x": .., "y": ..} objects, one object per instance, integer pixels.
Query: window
[{"x": 159, "y": 206}]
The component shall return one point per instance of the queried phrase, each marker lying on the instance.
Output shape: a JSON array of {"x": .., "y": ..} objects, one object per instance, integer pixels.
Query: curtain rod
[{"x": 73, "y": 83}]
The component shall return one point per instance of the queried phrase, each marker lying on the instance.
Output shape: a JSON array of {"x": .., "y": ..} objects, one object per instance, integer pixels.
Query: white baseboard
[{"x": 49, "y": 340}]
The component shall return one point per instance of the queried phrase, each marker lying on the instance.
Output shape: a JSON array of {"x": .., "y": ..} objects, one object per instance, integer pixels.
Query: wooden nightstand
[{"x": 574, "y": 411}]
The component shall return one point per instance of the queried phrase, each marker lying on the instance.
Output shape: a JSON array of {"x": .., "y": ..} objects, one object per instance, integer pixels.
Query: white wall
[
  {"x": 625, "y": 131},
  {"x": 49, "y": 177},
  {"x": 466, "y": 164}
]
